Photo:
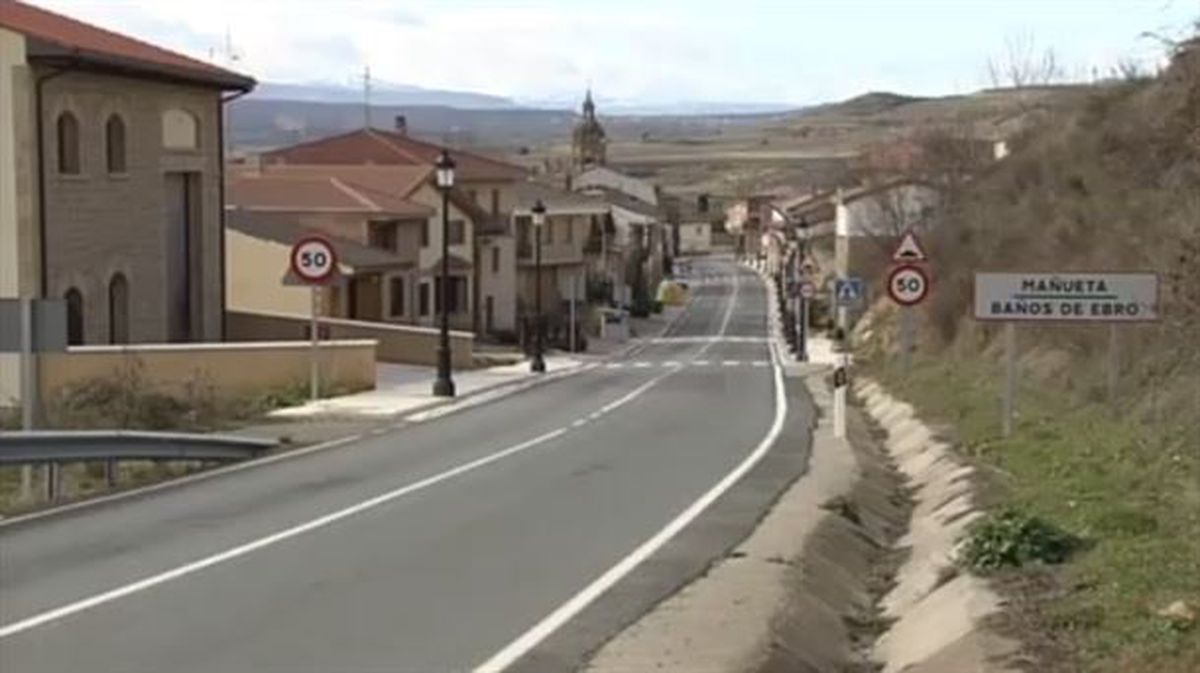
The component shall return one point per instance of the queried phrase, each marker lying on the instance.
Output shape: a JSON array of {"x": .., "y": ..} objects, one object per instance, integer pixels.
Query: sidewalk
[{"x": 402, "y": 389}]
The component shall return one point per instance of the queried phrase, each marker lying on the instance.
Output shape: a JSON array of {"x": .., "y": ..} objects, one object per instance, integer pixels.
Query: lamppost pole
[
  {"x": 444, "y": 385},
  {"x": 538, "y": 363}
]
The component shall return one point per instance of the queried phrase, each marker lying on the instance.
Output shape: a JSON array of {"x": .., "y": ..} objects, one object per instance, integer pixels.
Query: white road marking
[
  {"x": 579, "y": 423},
  {"x": 641, "y": 364},
  {"x": 724, "y": 321},
  {"x": 702, "y": 363},
  {"x": 145, "y": 583},
  {"x": 615, "y": 365},
  {"x": 670, "y": 363},
  {"x": 576, "y": 604},
  {"x": 731, "y": 363},
  {"x": 760, "y": 363}
]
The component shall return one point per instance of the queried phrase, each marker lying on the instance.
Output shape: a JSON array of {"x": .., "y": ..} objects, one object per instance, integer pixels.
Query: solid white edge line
[
  {"x": 308, "y": 526},
  {"x": 577, "y": 603}
]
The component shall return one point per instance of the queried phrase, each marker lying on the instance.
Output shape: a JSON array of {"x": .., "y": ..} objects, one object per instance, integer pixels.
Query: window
[
  {"x": 457, "y": 232},
  {"x": 396, "y": 297},
  {"x": 114, "y": 144},
  {"x": 474, "y": 196},
  {"x": 74, "y": 316},
  {"x": 457, "y": 302},
  {"x": 423, "y": 300},
  {"x": 68, "y": 144},
  {"x": 118, "y": 310},
  {"x": 569, "y": 235},
  {"x": 425, "y": 234},
  {"x": 382, "y": 235},
  {"x": 548, "y": 231},
  {"x": 496, "y": 259},
  {"x": 180, "y": 130},
  {"x": 495, "y": 202}
]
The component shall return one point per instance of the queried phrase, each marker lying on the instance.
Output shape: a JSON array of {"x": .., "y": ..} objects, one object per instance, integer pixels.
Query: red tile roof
[
  {"x": 53, "y": 35},
  {"x": 352, "y": 189},
  {"x": 375, "y": 146}
]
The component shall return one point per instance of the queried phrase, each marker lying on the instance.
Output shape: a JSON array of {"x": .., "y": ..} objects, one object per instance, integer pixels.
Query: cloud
[{"x": 633, "y": 50}]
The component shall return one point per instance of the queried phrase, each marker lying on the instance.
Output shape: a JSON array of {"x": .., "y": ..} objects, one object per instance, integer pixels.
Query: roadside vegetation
[{"x": 1095, "y": 497}]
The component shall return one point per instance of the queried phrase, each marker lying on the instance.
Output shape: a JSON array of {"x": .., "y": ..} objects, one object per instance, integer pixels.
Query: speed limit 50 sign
[
  {"x": 908, "y": 284},
  {"x": 313, "y": 259}
]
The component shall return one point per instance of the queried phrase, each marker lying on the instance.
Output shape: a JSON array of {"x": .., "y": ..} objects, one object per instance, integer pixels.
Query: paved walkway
[{"x": 402, "y": 389}]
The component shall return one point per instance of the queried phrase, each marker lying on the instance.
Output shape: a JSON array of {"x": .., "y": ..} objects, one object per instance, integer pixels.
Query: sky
[{"x": 647, "y": 51}]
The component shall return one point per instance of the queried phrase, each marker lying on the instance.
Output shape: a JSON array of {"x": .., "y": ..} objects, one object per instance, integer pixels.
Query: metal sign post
[
  {"x": 1010, "y": 378},
  {"x": 28, "y": 389},
  {"x": 807, "y": 291},
  {"x": 314, "y": 368},
  {"x": 840, "y": 382},
  {"x": 314, "y": 261}
]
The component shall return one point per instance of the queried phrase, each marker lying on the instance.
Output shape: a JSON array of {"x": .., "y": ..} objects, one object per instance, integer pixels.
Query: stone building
[{"x": 111, "y": 164}]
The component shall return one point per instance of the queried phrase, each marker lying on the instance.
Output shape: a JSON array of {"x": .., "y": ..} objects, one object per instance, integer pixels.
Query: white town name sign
[{"x": 1075, "y": 297}]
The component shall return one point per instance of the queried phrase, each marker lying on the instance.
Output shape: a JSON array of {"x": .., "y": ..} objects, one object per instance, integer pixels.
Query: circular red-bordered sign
[
  {"x": 313, "y": 259},
  {"x": 808, "y": 289},
  {"x": 908, "y": 285}
]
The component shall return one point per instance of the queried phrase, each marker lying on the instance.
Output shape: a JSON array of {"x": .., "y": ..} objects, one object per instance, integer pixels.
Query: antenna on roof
[{"x": 367, "y": 96}]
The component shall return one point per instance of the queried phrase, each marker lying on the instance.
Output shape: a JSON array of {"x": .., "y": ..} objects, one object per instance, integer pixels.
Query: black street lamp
[
  {"x": 444, "y": 385},
  {"x": 538, "y": 363}
]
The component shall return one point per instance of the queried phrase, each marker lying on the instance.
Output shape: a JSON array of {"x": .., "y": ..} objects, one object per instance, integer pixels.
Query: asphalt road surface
[{"x": 514, "y": 535}]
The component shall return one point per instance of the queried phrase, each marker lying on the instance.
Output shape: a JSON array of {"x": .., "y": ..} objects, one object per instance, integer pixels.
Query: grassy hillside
[{"x": 1114, "y": 184}]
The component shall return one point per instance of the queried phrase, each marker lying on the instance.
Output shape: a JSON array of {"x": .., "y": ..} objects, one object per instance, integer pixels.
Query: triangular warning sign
[
  {"x": 847, "y": 292},
  {"x": 909, "y": 250}
]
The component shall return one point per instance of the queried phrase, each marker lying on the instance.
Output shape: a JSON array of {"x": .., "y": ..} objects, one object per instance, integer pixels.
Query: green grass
[{"x": 1130, "y": 491}]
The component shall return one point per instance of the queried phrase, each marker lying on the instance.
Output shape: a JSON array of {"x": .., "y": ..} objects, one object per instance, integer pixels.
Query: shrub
[{"x": 1011, "y": 538}]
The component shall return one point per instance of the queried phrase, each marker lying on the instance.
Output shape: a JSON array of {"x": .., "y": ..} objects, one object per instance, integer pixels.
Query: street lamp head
[
  {"x": 445, "y": 170},
  {"x": 539, "y": 213}
]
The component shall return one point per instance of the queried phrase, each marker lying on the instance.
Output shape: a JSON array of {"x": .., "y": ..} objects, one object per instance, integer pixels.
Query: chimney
[
  {"x": 401, "y": 125},
  {"x": 702, "y": 203}
]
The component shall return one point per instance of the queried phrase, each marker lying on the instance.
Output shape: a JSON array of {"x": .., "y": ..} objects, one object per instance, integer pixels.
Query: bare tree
[{"x": 1023, "y": 63}]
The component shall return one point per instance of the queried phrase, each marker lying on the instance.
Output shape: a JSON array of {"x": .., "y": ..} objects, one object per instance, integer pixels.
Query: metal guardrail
[{"x": 54, "y": 446}]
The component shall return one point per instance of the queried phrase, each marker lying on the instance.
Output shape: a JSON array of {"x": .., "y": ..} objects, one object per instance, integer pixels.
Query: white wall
[
  {"x": 626, "y": 184},
  {"x": 501, "y": 286},
  {"x": 695, "y": 237},
  {"x": 887, "y": 213}
]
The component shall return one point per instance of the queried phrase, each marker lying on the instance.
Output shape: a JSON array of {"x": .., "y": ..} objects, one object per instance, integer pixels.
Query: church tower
[{"x": 588, "y": 142}]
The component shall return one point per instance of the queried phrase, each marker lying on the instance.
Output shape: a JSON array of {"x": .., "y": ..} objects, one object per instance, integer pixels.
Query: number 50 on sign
[
  {"x": 313, "y": 259},
  {"x": 908, "y": 285}
]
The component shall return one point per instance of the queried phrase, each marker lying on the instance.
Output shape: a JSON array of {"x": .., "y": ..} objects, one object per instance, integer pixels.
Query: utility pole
[{"x": 366, "y": 96}]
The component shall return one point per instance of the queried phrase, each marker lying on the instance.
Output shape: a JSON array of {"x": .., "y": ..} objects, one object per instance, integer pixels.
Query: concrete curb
[{"x": 938, "y": 613}]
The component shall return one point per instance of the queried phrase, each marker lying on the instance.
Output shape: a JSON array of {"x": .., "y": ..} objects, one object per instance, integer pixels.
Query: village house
[
  {"x": 570, "y": 237},
  {"x": 482, "y": 201},
  {"x": 111, "y": 161}
]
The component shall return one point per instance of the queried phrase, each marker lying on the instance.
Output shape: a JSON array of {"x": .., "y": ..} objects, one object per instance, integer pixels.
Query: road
[{"x": 517, "y": 534}]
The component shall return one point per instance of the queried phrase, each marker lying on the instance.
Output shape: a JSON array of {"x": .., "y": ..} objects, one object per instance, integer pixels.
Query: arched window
[
  {"x": 114, "y": 143},
  {"x": 68, "y": 144},
  {"x": 180, "y": 130},
  {"x": 74, "y": 316},
  {"x": 118, "y": 310}
]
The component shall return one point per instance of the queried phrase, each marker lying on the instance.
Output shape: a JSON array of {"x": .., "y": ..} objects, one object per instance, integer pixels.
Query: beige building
[
  {"x": 574, "y": 222},
  {"x": 389, "y": 217},
  {"x": 484, "y": 198},
  {"x": 110, "y": 181}
]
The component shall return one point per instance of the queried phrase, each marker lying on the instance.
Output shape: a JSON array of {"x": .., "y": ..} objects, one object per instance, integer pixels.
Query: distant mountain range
[
  {"x": 385, "y": 93},
  {"x": 276, "y": 114},
  {"x": 382, "y": 93}
]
